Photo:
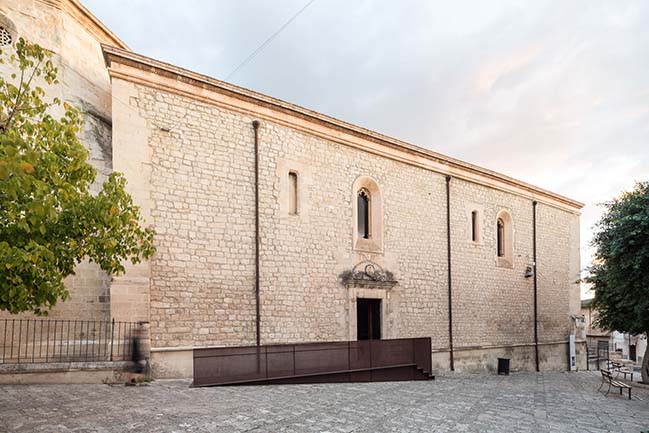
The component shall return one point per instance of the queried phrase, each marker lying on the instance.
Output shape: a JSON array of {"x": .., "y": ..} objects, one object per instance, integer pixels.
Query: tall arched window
[
  {"x": 474, "y": 226},
  {"x": 368, "y": 215},
  {"x": 501, "y": 238},
  {"x": 363, "y": 214},
  {"x": 504, "y": 239},
  {"x": 292, "y": 193}
]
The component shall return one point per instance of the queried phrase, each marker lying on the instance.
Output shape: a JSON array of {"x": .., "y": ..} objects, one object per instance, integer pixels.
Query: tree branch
[{"x": 22, "y": 85}]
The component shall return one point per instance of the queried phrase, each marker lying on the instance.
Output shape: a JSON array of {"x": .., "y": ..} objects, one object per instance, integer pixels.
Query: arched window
[
  {"x": 501, "y": 238},
  {"x": 474, "y": 226},
  {"x": 504, "y": 239},
  {"x": 292, "y": 193},
  {"x": 363, "y": 213},
  {"x": 368, "y": 215}
]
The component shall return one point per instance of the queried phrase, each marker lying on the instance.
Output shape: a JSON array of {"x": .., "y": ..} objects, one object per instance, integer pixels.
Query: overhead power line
[{"x": 261, "y": 47}]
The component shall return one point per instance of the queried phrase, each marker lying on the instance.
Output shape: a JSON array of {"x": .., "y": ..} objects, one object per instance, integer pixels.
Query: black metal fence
[
  {"x": 25, "y": 341},
  {"x": 598, "y": 355}
]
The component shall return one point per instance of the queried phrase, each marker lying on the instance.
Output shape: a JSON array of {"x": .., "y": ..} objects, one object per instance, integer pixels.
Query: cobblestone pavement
[{"x": 522, "y": 402}]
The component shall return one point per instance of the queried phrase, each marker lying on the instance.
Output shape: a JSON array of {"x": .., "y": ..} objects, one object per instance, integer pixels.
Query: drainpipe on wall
[
  {"x": 536, "y": 325},
  {"x": 255, "y": 126},
  {"x": 450, "y": 291}
]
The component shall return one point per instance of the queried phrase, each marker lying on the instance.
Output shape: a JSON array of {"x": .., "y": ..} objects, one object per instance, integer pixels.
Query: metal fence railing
[
  {"x": 340, "y": 361},
  {"x": 24, "y": 341},
  {"x": 598, "y": 355}
]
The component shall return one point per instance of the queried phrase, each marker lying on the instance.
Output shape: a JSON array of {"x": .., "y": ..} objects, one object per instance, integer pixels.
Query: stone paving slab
[{"x": 522, "y": 402}]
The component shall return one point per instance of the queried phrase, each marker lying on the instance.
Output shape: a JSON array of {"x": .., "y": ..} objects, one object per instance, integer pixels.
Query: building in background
[
  {"x": 593, "y": 332},
  {"x": 360, "y": 235},
  {"x": 624, "y": 345}
]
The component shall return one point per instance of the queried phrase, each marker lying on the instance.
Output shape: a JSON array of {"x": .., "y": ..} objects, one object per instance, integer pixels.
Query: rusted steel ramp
[{"x": 344, "y": 361}]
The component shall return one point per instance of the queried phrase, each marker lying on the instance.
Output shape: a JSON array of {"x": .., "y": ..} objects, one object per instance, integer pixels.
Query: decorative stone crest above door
[
  {"x": 369, "y": 285},
  {"x": 368, "y": 274}
]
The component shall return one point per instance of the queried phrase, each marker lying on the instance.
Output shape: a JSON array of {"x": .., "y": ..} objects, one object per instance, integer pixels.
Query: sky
[{"x": 553, "y": 93}]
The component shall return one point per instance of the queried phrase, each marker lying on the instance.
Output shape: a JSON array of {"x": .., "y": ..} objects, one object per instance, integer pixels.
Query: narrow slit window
[
  {"x": 292, "y": 193},
  {"x": 363, "y": 208},
  {"x": 501, "y": 238},
  {"x": 474, "y": 226}
]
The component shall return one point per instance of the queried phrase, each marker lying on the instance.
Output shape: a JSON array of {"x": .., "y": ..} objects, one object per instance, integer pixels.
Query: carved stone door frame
[{"x": 369, "y": 281}]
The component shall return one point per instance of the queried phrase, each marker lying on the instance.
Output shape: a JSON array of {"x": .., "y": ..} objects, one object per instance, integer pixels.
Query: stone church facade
[{"x": 278, "y": 224}]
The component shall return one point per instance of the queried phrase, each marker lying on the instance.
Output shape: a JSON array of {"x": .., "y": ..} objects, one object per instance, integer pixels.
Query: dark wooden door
[{"x": 368, "y": 319}]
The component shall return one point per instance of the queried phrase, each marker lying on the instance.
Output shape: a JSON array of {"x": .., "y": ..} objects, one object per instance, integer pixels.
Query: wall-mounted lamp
[{"x": 529, "y": 271}]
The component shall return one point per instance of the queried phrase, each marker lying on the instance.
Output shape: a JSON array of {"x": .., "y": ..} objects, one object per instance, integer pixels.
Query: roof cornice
[
  {"x": 79, "y": 12},
  {"x": 178, "y": 80}
]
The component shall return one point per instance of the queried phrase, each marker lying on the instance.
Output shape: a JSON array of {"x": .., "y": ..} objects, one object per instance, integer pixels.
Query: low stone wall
[
  {"x": 552, "y": 357},
  {"x": 67, "y": 372},
  {"x": 172, "y": 363}
]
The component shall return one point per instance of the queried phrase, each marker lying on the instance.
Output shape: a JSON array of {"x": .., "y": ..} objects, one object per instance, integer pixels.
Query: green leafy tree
[
  {"x": 49, "y": 219},
  {"x": 619, "y": 274}
]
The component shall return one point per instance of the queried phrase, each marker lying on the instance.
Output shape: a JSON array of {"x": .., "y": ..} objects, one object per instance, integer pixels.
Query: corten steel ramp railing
[{"x": 344, "y": 361}]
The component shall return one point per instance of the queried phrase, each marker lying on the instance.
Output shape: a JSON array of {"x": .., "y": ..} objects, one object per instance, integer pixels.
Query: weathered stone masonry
[
  {"x": 185, "y": 143},
  {"x": 201, "y": 196},
  {"x": 65, "y": 28}
]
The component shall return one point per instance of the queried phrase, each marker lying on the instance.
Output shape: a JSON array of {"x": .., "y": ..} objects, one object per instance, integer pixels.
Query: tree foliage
[
  {"x": 49, "y": 219},
  {"x": 619, "y": 274}
]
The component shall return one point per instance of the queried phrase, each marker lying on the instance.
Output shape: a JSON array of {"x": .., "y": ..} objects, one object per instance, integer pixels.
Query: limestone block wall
[
  {"x": 202, "y": 277},
  {"x": 131, "y": 154},
  {"x": 492, "y": 305},
  {"x": 201, "y": 191},
  {"x": 303, "y": 255},
  {"x": 84, "y": 83}
]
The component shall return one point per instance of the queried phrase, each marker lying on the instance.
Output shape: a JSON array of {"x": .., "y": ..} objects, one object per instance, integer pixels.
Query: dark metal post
[
  {"x": 99, "y": 349},
  {"x": 27, "y": 340},
  {"x": 450, "y": 282},
  {"x": 40, "y": 346},
  {"x": 536, "y": 325},
  {"x": 34, "y": 341},
  {"x": 4, "y": 342},
  {"x": 112, "y": 337},
  {"x": 120, "y": 349},
  {"x": 61, "y": 343},
  {"x": 130, "y": 340},
  {"x": 67, "y": 347},
  {"x": 54, "y": 341},
  {"x": 255, "y": 126},
  {"x": 20, "y": 331},
  {"x": 11, "y": 354},
  {"x": 74, "y": 342},
  {"x": 87, "y": 339}
]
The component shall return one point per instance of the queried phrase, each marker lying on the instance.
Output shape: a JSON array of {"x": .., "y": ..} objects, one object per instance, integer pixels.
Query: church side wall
[{"x": 202, "y": 276}]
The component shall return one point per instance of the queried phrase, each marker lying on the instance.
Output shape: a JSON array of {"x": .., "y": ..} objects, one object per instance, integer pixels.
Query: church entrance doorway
[{"x": 368, "y": 319}]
